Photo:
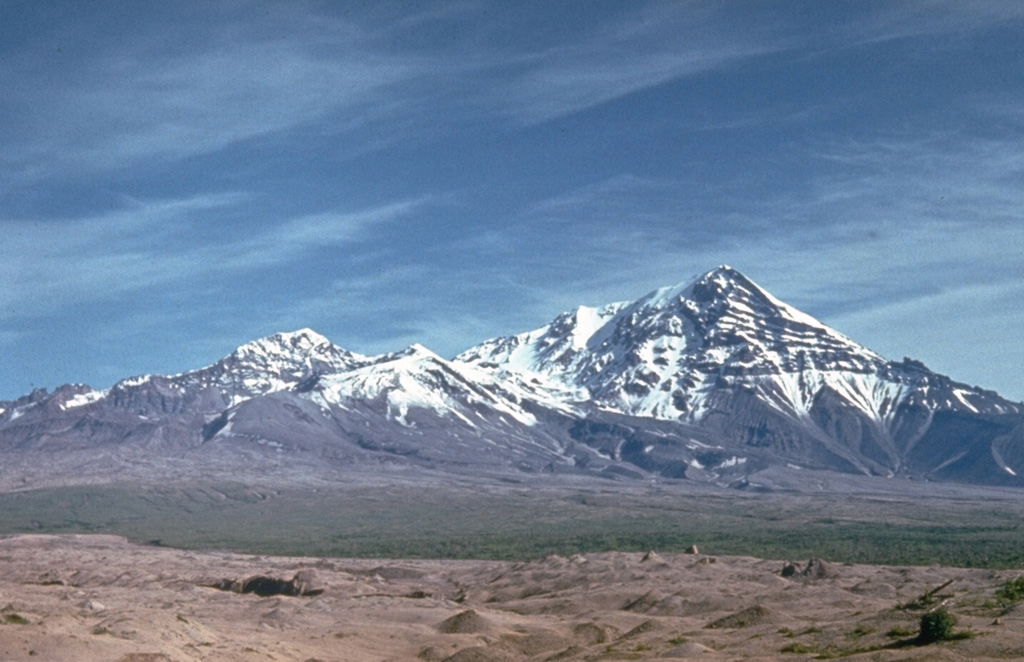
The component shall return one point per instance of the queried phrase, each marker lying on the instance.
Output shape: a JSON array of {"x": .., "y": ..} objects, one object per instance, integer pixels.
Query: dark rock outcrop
[{"x": 302, "y": 584}]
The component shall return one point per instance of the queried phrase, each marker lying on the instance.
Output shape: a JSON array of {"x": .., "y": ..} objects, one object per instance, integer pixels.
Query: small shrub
[
  {"x": 862, "y": 630},
  {"x": 937, "y": 626},
  {"x": 796, "y": 647},
  {"x": 15, "y": 619},
  {"x": 1012, "y": 591},
  {"x": 787, "y": 632},
  {"x": 678, "y": 640}
]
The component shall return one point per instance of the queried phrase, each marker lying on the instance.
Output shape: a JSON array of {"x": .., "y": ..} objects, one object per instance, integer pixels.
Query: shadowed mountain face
[{"x": 714, "y": 380}]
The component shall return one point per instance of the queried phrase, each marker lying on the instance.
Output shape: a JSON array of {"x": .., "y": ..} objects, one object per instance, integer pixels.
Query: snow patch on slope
[
  {"x": 82, "y": 399},
  {"x": 416, "y": 378}
]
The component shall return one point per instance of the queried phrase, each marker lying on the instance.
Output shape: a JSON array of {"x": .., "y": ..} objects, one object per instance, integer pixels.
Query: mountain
[
  {"x": 712, "y": 380},
  {"x": 669, "y": 353},
  {"x": 722, "y": 354}
]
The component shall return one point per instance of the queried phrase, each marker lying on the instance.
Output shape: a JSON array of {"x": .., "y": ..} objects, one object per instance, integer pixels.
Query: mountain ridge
[{"x": 682, "y": 383}]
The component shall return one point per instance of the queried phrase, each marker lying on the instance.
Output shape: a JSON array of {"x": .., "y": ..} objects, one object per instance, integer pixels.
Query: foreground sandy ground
[{"x": 100, "y": 598}]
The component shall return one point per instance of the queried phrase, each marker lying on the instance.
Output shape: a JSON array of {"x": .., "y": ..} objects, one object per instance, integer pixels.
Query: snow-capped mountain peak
[
  {"x": 274, "y": 363},
  {"x": 723, "y": 302},
  {"x": 661, "y": 354},
  {"x": 301, "y": 342},
  {"x": 286, "y": 351}
]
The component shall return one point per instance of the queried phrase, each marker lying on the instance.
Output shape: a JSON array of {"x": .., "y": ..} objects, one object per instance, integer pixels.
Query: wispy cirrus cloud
[
  {"x": 45, "y": 265},
  {"x": 625, "y": 54},
  {"x": 903, "y": 20},
  {"x": 166, "y": 91},
  {"x": 289, "y": 239},
  {"x": 660, "y": 43},
  {"x": 147, "y": 98}
]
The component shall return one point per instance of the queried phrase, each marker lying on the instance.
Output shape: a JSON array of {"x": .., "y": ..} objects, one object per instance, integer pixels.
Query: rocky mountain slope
[{"x": 713, "y": 380}]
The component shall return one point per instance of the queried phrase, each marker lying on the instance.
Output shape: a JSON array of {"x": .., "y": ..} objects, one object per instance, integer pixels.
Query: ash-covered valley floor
[{"x": 93, "y": 597}]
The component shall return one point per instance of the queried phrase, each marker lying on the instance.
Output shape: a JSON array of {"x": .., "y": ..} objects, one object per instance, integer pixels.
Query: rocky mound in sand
[
  {"x": 755, "y": 615},
  {"x": 301, "y": 584},
  {"x": 465, "y": 622},
  {"x": 85, "y": 598},
  {"x": 815, "y": 569}
]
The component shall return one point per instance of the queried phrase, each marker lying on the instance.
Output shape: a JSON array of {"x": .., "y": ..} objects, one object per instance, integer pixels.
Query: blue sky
[{"x": 179, "y": 178}]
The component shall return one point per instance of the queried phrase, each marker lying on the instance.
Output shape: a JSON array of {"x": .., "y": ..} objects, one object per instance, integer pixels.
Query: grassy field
[{"x": 515, "y": 524}]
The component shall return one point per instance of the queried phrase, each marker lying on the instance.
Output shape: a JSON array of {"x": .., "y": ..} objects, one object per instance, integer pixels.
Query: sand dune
[{"x": 101, "y": 598}]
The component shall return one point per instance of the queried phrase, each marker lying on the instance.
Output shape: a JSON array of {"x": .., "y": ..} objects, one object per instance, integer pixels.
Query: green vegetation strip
[{"x": 517, "y": 524}]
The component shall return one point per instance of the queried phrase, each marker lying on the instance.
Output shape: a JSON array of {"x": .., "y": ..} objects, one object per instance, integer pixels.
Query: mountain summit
[
  {"x": 712, "y": 380},
  {"x": 668, "y": 353}
]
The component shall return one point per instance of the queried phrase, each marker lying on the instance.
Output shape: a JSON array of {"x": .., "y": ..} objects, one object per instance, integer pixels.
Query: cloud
[
  {"x": 928, "y": 18},
  {"x": 171, "y": 86},
  {"x": 287, "y": 240},
  {"x": 626, "y": 54},
  {"x": 657, "y": 43},
  {"x": 45, "y": 265},
  {"x": 149, "y": 98}
]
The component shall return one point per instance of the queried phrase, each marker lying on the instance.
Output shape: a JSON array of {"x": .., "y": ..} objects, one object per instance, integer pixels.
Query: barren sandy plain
[{"x": 97, "y": 598}]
